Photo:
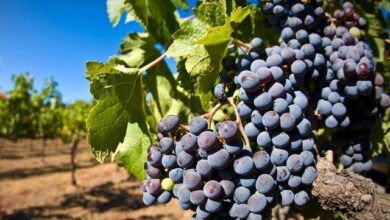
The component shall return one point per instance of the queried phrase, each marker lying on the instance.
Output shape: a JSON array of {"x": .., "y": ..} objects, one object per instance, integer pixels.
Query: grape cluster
[
  {"x": 330, "y": 61},
  {"x": 214, "y": 174},
  {"x": 275, "y": 119},
  {"x": 351, "y": 79}
]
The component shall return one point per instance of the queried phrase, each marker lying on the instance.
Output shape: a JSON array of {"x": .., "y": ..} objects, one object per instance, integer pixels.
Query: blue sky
[{"x": 56, "y": 38}]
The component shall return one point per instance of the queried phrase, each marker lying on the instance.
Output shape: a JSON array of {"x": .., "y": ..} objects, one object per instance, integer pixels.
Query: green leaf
[
  {"x": 134, "y": 41},
  {"x": 239, "y": 15},
  {"x": 381, "y": 135},
  {"x": 246, "y": 29},
  {"x": 207, "y": 61},
  {"x": 119, "y": 97},
  {"x": 159, "y": 20},
  {"x": 161, "y": 84},
  {"x": 115, "y": 9},
  {"x": 185, "y": 38},
  {"x": 136, "y": 11},
  {"x": 379, "y": 48},
  {"x": 204, "y": 50},
  {"x": 132, "y": 152},
  {"x": 212, "y": 13},
  {"x": 182, "y": 4},
  {"x": 138, "y": 50},
  {"x": 96, "y": 68}
]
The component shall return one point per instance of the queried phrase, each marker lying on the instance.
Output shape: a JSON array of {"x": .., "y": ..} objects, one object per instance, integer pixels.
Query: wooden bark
[
  {"x": 350, "y": 193},
  {"x": 73, "y": 165}
]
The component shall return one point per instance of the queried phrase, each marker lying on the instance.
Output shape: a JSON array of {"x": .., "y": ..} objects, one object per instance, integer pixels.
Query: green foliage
[
  {"x": 381, "y": 136},
  {"x": 28, "y": 113},
  {"x": 17, "y": 105},
  {"x": 132, "y": 95}
]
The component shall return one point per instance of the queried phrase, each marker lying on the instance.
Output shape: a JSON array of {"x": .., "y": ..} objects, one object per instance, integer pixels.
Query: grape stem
[
  {"x": 239, "y": 123},
  {"x": 153, "y": 63},
  {"x": 209, "y": 115},
  {"x": 239, "y": 42},
  {"x": 188, "y": 18},
  {"x": 184, "y": 127},
  {"x": 333, "y": 20}
]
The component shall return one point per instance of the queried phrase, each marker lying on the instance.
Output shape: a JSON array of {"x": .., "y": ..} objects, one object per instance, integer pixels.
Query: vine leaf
[
  {"x": 157, "y": 19},
  {"x": 184, "y": 39},
  {"x": 381, "y": 135},
  {"x": 182, "y": 4},
  {"x": 203, "y": 44},
  {"x": 162, "y": 87},
  {"x": 120, "y": 98},
  {"x": 136, "y": 11},
  {"x": 212, "y": 13},
  {"x": 115, "y": 9},
  {"x": 138, "y": 50},
  {"x": 132, "y": 152}
]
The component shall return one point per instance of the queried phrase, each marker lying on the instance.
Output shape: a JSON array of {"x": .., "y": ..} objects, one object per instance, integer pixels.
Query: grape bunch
[
  {"x": 275, "y": 120},
  {"x": 335, "y": 65},
  {"x": 351, "y": 79},
  {"x": 214, "y": 174}
]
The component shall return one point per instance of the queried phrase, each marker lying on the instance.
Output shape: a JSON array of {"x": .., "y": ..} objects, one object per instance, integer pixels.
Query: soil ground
[{"x": 34, "y": 189}]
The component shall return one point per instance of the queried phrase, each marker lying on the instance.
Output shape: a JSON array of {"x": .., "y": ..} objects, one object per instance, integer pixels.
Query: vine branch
[
  {"x": 350, "y": 193},
  {"x": 239, "y": 123}
]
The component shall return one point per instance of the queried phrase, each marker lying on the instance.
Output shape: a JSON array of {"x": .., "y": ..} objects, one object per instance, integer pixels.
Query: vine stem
[
  {"x": 333, "y": 24},
  {"x": 184, "y": 127},
  {"x": 246, "y": 45},
  {"x": 164, "y": 55},
  {"x": 188, "y": 18},
  {"x": 153, "y": 63},
  {"x": 209, "y": 115},
  {"x": 239, "y": 122}
]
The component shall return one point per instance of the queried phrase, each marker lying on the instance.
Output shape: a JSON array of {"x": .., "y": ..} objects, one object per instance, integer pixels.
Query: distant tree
[{"x": 17, "y": 118}]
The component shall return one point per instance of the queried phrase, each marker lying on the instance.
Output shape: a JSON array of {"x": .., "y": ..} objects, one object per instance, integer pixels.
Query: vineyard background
[{"x": 32, "y": 189}]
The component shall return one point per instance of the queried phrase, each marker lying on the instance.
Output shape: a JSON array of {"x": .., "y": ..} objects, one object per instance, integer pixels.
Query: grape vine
[{"x": 278, "y": 105}]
